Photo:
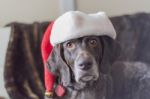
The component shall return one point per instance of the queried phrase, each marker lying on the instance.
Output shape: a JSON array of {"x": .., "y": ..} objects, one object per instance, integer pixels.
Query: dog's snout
[
  {"x": 84, "y": 60},
  {"x": 85, "y": 64}
]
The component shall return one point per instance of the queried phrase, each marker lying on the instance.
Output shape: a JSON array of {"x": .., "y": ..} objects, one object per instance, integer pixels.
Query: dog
[
  {"x": 88, "y": 68},
  {"x": 83, "y": 66}
]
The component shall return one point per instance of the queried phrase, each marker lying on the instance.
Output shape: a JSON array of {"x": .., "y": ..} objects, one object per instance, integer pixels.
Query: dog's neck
[{"x": 99, "y": 90}]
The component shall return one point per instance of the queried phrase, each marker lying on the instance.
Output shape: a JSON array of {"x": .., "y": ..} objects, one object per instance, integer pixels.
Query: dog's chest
[
  {"x": 83, "y": 95},
  {"x": 86, "y": 94}
]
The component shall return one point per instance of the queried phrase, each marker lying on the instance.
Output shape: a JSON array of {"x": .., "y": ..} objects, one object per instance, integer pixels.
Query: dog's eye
[
  {"x": 93, "y": 42},
  {"x": 70, "y": 45}
]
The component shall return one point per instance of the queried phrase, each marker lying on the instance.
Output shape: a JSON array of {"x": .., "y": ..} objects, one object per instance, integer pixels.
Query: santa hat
[{"x": 76, "y": 24}]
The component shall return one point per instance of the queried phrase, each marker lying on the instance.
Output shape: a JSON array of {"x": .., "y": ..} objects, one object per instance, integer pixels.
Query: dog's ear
[
  {"x": 111, "y": 51},
  {"x": 58, "y": 66}
]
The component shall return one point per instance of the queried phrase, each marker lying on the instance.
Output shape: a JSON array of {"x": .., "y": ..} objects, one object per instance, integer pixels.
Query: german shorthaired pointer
[{"x": 87, "y": 67}]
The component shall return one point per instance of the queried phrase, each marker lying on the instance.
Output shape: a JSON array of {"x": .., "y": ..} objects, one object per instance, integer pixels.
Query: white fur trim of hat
[{"x": 76, "y": 24}]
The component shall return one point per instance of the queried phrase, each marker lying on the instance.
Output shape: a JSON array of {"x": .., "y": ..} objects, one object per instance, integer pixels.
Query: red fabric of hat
[{"x": 46, "y": 49}]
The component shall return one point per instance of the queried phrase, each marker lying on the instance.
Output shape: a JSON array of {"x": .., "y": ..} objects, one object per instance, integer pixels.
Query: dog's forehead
[
  {"x": 81, "y": 39},
  {"x": 89, "y": 37}
]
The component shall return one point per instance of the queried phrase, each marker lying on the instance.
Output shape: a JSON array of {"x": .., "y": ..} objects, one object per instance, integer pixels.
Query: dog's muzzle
[{"x": 85, "y": 68}]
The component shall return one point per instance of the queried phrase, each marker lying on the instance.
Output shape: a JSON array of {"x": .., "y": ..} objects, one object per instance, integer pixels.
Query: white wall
[
  {"x": 4, "y": 39},
  {"x": 114, "y": 7},
  {"x": 28, "y": 10},
  {"x": 43, "y": 10}
]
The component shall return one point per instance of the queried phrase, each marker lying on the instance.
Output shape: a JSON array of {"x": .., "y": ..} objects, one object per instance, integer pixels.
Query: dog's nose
[
  {"x": 84, "y": 60},
  {"x": 85, "y": 64}
]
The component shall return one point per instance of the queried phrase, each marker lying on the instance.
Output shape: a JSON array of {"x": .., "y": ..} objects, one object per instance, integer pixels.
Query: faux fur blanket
[{"x": 23, "y": 73}]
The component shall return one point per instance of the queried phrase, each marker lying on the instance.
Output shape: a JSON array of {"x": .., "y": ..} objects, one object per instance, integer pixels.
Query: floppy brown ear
[
  {"x": 58, "y": 66},
  {"x": 111, "y": 51}
]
